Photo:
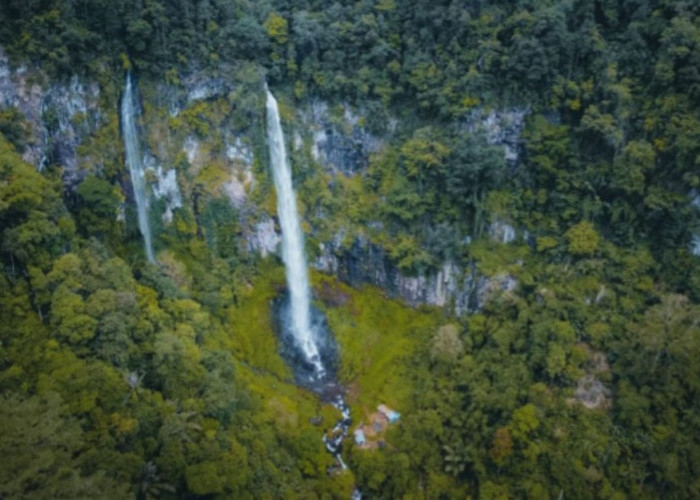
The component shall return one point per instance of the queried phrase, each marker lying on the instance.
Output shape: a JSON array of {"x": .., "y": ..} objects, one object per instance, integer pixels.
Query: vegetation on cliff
[{"x": 123, "y": 378}]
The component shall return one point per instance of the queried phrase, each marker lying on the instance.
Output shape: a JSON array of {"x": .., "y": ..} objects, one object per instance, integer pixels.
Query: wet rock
[{"x": 166, "y": 187}]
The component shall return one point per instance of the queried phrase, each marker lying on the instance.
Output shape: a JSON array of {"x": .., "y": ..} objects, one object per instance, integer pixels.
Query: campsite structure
[{"x": 370, "y": 435}]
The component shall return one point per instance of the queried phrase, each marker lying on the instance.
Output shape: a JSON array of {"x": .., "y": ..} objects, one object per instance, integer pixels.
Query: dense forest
[{"x": 570, "y": 371}]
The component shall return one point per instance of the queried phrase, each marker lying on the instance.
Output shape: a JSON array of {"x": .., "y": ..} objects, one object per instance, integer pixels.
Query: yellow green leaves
[
  {"x": 524, "y": 421},
  {"x": 277, "y": 28},
  {"x": 446, "y": 344},
  {"x": 583, "y": 239},
  {"x": 70, "y": 319},
  {"x": 604, "y": 124},
  {"x": 545, "y": 243},
  {"x": 634, "y": 164},
  {"x": 420, "y": 155}
]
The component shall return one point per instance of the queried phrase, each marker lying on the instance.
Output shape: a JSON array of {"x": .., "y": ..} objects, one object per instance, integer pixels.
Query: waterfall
[
  {"x": 292, "y": 242},
  {"x": 305, "y": 335},
  {"x": 135, "y": 163}
]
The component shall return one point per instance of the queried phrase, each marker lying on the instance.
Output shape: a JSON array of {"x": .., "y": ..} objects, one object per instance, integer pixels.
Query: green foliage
[
  {"x": 376, "y": 336},
  {"x": 121, "y": 377},
  {"x": 46, "y": 447},
  {"x": 583, "y": 238},
  {"x": 35, "y": 224},
  {"x": 277, "y": 28},
  {"x": 14, "y": 127},
  {"x": 99, "y": 201}
]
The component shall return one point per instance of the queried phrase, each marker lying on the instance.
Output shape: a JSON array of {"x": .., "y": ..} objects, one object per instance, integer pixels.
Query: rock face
[
  {"x": 197, "y": 86},
  {"x": 590, "y": 391},
  {"x": 459, "y": 290},
  {"x": 59, "y": 116},
  {"x": 502, "y": 232},
  {"x": 241, "y": 181},
  {"x": 341, "y": 145},
  {"x": 500, "y": 127},
  {"x": 344, "y": 146},
  {"x": 166, "y": 187},
  {"x": 263, "y": 238}
]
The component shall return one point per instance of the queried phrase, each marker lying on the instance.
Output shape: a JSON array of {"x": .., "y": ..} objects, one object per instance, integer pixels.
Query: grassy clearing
[
  {"x": 377, "y": 338},
  {"x": 251, "y": 334}
]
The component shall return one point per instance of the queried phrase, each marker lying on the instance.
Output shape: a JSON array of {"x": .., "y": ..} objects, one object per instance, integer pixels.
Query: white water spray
[
  {"x": 135, "y": 164},
  {"x": 292, "y": 241}
]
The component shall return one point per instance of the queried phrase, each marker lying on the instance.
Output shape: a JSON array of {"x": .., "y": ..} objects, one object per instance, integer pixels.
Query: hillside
[{"x": 497, "y": 219}]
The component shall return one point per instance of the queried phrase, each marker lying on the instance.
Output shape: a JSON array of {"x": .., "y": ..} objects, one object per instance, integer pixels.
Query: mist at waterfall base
[{"x": 305, "y": 372}]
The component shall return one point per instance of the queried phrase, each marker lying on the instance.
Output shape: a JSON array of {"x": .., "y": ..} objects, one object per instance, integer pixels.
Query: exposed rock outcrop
[
  {"x": 60, "y": 116},
  {"x": 503, "y": 127},
  {"x": 590, "y": 391},
  {"x": 340, "y": 145},
  {"x": 459, "y": 290},
  {"x": 263, "y": 238}
]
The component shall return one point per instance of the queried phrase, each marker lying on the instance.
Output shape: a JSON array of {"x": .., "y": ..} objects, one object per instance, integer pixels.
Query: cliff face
[
  {"x": 344, "y": 146},
  {"x": 457, "y": 289},
  {"x": 186, "y": 160},
  {"x": 59, "y": 114}
]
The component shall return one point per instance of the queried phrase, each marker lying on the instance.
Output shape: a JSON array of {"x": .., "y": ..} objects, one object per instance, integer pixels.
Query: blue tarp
[{"x": 393, "y": 416}]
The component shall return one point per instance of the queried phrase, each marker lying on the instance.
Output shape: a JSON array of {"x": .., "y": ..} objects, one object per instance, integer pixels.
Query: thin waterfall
[
  {"x": 292, "y": 242},
  {"x": 135, "y": 163}
]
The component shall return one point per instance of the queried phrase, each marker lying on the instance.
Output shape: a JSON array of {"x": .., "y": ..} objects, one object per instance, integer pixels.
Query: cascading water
[
  {"x": 292, "y": 242},
  {"x": 307, "y": 334},
  {"x": 135, "y": 163}
]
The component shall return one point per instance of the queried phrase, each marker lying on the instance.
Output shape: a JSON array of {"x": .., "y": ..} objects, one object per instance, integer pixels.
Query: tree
[
  {"x": 43, "y": 446},
  {"x": 34, "y": 223},
  {"x": 277, "y": 28},
  {"x": 583, "y": 239},
  {"x": 446, "y": 344},
  {"x": 97, "y": 210}
]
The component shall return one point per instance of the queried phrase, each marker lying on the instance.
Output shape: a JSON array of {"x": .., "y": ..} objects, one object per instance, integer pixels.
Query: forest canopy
[{"x": 571, "y": 370}]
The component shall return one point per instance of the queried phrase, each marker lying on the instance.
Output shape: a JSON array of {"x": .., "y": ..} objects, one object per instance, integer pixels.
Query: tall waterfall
[
  {"x": 135, "y": 163},
  {"x": 292, "y": 241}
]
